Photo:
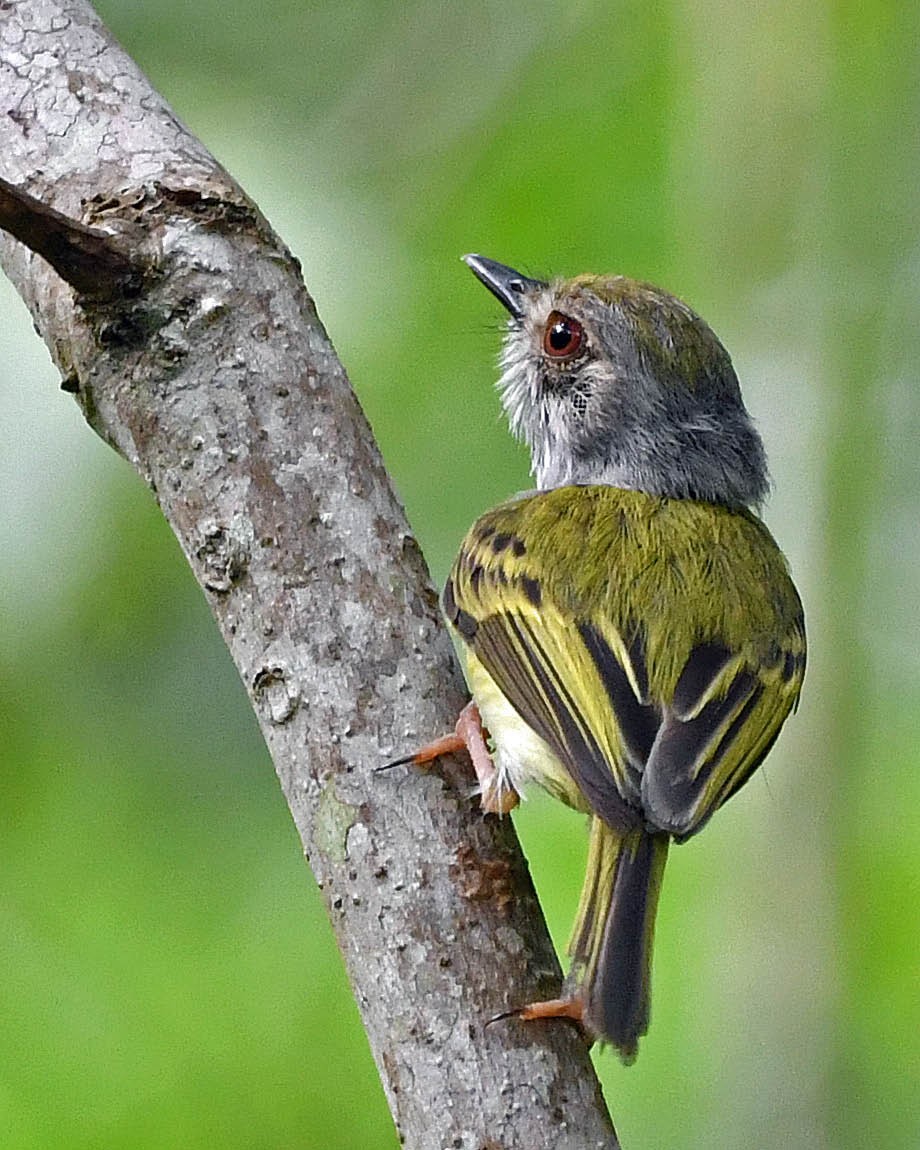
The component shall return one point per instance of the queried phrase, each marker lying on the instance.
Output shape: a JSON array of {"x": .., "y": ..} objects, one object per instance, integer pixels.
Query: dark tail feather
[{"x": 613, "y": 941}]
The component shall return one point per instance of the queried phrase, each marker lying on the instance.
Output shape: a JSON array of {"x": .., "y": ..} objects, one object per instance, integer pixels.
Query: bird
[{"x": 629, "y": 630}]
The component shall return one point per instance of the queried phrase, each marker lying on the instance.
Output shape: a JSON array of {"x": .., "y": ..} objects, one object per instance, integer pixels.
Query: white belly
[{"x": 520, "y": 755}]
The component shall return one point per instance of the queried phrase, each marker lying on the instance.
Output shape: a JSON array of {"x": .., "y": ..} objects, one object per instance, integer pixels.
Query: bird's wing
[
  {"x": 722, "y": 720},
  {"x": 580, "y": 680},
  {"x": 579, "y": 692}
]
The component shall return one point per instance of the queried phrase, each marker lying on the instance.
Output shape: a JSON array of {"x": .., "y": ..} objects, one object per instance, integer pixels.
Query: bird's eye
[{"x": 563, "y": 337}]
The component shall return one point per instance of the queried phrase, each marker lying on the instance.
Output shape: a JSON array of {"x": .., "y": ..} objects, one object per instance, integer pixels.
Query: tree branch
[
  {"x": 95, "y": 263},
  {"x": 216, "y": 380}
]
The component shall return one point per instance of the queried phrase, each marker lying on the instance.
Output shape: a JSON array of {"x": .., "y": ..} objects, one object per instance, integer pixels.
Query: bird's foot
[
  {"x": 572, "y": 1008},
  {"x": 470, "y": 735}
]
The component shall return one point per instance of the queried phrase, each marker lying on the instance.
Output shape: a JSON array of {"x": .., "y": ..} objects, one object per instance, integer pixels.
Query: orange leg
[
  {"x": 470, "y": 735},
  {"x": 572, "y": 1008}
]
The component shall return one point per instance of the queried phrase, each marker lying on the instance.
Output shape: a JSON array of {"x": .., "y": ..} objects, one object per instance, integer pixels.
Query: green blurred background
[{"x": 167, "y": 977}]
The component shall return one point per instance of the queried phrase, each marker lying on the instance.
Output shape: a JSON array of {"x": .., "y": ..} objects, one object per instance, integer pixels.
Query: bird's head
[{"x": 608, "y": 380}]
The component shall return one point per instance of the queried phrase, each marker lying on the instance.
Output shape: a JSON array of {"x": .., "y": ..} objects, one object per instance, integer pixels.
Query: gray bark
[{"x": 200, "y": 358}]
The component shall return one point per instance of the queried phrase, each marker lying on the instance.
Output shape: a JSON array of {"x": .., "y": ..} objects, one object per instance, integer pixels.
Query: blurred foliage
[{"x": 167, "y": 977}]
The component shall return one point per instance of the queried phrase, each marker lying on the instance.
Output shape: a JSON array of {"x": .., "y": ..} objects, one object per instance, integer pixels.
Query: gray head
[{"x": 612, "y": 381}]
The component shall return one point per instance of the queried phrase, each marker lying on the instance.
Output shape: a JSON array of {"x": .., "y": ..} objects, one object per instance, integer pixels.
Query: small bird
[{"x": 629, "y": 631}]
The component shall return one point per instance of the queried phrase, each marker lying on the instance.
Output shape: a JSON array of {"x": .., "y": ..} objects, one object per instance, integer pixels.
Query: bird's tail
[{"x": 612, "y": 940}]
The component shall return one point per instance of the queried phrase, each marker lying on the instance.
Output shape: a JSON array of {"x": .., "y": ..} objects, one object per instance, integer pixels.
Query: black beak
[{"x": 504, "y": 283}]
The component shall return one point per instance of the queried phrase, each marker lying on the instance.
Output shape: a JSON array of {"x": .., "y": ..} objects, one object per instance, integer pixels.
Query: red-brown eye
[{"x": 563, "y": 337}]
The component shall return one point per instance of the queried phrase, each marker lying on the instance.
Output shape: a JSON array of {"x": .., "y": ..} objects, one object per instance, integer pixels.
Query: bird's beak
[{"x": 504, "y": 283}]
